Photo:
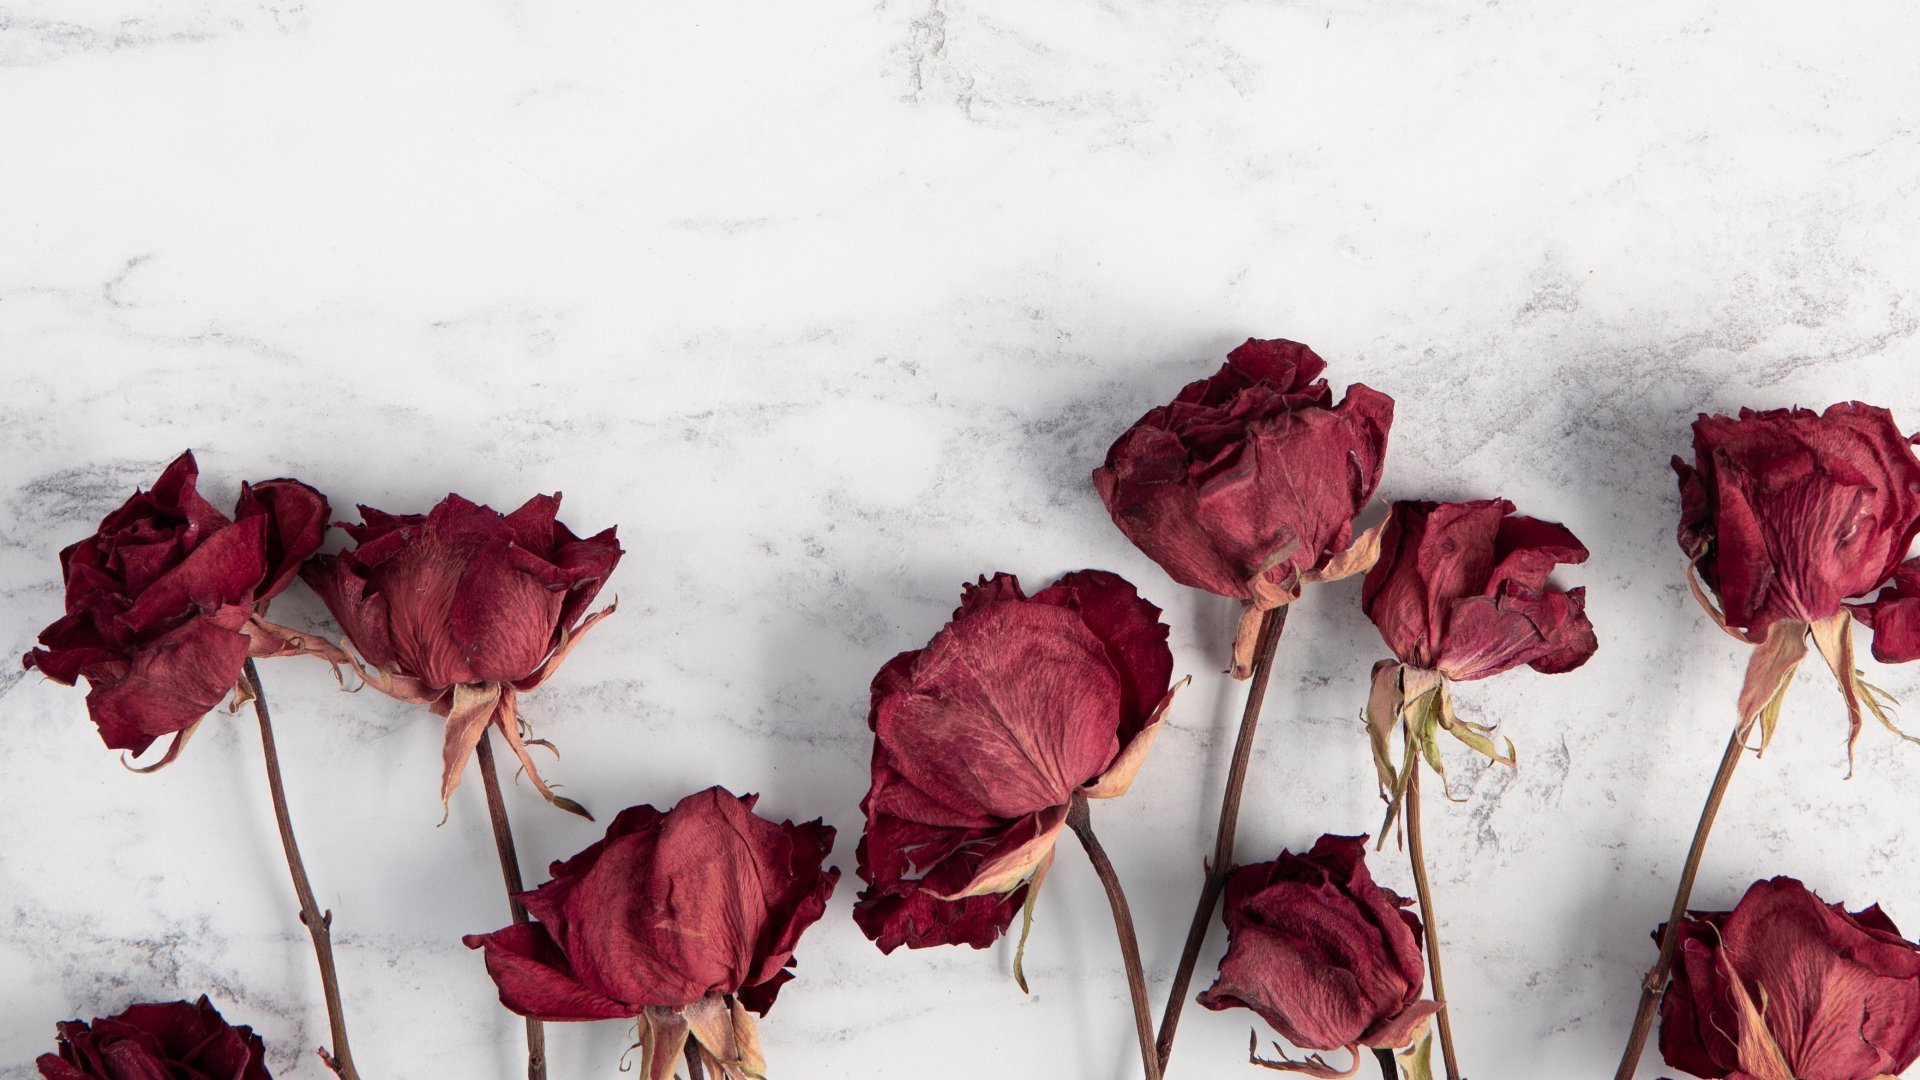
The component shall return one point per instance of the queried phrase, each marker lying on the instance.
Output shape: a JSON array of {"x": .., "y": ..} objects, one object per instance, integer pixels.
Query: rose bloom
[
  {"x": 1328, "y": 958},
  {"x": 464, "y": 608},
  {"x": 684, "y": 920},
  {"x": 1460, "y": 593},
  {"x": 1786, "y": 515},
  {"x": 982, "y": 739},
  {"x": 158, "y": 1042},
  {"x": 166, "y": 600},
  {"x": 1248, "y": 482},
  {"x": 1786, "y": 987}
]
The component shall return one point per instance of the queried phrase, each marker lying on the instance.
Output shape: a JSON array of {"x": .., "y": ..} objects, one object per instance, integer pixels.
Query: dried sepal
[
  {"x": 1311, "y": 1065},
  {"x": 1416, "y": 1061},
  {"x": 1026, "y": 923}
]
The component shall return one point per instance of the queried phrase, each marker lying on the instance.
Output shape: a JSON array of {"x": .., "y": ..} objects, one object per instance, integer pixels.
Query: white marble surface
[{"x": 831, "y": 306}]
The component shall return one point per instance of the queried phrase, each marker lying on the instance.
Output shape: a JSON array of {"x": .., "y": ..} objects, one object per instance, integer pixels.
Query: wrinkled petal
[
  {"x": 296, "y": 517},
  {"x": 534, "y": 979},
  {"x": 168, "y": 685}
]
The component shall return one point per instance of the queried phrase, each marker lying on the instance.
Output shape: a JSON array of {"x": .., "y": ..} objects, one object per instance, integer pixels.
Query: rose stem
[
  {"x": 1221, "y": 865},
  {"x": 510, "y": 872},
  {"x": 1655, "y": 983},
  {"x": 319, "y": 923},
  {"x": 1081, "y": 824},
  {"x": 1416, "y": 851},
  {"x": 1387, "y": 1068},
  {"x": 694, "y": 1069}
]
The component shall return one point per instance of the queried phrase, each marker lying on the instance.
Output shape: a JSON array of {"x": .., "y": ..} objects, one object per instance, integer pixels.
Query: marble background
[{"x": 832, "y": 306}]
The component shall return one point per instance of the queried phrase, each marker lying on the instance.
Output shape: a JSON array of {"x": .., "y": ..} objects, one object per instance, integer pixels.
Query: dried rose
[
  {"x": 981, "y": 740},
  {"x": 1785, "y": 515},
  {"x": 158, "y": 1042},
  {"x": 1248, "y": 482},
  {"x": 1459, "y": 593},
  {"x": 166, "y": 600},
  {"x": 1786, "y": 987},
  {"x": 684, "y": 920},
  {"x": 1328, "y": 958},
  {"x": 464, "y": 608}
]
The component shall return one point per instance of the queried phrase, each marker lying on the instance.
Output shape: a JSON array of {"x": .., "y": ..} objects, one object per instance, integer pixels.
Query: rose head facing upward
[
  {"x": 1321, "y": 953},
  {"x": 1785, "y": 515},
  {"x": 684, "y": 920},
  {"x": 1460, "y": 593},
  {"x": 984, "y": 737},
  {"x": 1786, "y": 987},
  {"x": 165, "y": 602},
  {"x": 158, "y": 1041},
  {"x": 464, "y": 608},
  {"x": 1248, "y": 482}
]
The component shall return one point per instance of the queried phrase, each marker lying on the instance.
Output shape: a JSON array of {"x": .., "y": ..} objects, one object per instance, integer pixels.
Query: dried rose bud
[
  {"x": 165, "y": 602},
  {"x": 1248, "y": 482},
  {"x": 1786, "y": 987},
  {"x": 684, "y": 920},
  {"x": 981, "y": 740},
  {"x": 1328, "y": 958},
  {"x": 1786, "y": 515},
  {"x": 157, "y": 1042},
  {"x": 464, "y": 608}
]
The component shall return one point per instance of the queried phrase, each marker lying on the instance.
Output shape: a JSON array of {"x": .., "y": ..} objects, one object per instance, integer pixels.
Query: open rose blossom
[
  {"x": 1328, "y": 958},
  {"x": 1785, "y": 987},
  {"x": 165, "y": 602},
  {"x": 982, "y": 739},
  {"x": 1248, "y": 482},
  {"x": 684, "y": 920},
  {"x": 1459, "y": 593},
  {"x": 176, "y": 1039},
  {"x": 464, "y": 608},
  {"x": 1786, "y": 515}
]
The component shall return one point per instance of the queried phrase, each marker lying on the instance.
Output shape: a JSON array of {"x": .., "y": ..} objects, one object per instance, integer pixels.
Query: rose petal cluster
[
  {"x": 1247, "y": 484},
  {"x": 1327, "y": 957},
  {"x": 1788, "y": 987},
  {"x": 982, "y": 740},
  {"x": 158, "y": 1041},
  {"x": 465, "y": 607},
  {"x": 164, "y": 602},
  {"x": 1461, "y": 589},
  {"x": 1787, "y": 513},
  {"x": 684, "y": 919}
]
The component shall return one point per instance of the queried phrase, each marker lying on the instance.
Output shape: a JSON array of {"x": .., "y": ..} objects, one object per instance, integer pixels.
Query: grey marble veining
[{"x": 833, "y": 306}]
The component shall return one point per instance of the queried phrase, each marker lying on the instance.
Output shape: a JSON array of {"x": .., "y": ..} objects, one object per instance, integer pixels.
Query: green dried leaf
[{"x": 1416, "y": 1061}]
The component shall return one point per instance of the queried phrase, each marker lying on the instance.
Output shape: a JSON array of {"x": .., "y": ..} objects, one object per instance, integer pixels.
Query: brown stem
[
  {"x": 695, "y": 1071},
  {"x": 1271, "y": 626},
  {"x": 1655, "y": 983},
  {"x": 1387, "y": 1067},
  {"x": 510, "y": 872},
  {"x": 1417, "y": 852},
  {"x": 1079, "y": 821},
  {"x": 319, "y": 923}
]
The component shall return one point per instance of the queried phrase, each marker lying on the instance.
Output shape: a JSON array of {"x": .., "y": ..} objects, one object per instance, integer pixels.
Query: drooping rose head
[
  {"x": 1786, "y": 987},
  {"x": 1461, "y": 588},
  {"x": 684, "y": 920},
  {"x": 165, "y": 601},
  {"x": 1324, "y": 955},
  {"x": 1247, "y": 484},
  {"x": 982, "y": 739},
  {"x": 1788, "y": 513},
  {"x": 464, "y": 607},
  {"x": 160, "y": 1041}
]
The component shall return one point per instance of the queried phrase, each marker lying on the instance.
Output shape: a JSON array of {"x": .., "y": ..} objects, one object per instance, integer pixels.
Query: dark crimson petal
[
  {"x": 171, "y": 683},
  {"x": 1145, "y": 488},
  {"x": 1131, "y": 630},
  {"x": 535, "y": 980},
  {"x": 906, "y": 913},
  {"x": 796, "y": 893},
  {"x": 506, "y": 612},
  {"x": 1287, "y": 366},
  {"x": 225, "y": 569},
  {"x": 1894, "y": 616},
  {"x": 1526, "y": 550},
  {"x": 533, "y": 525},
  {"x": 421, "y": 583},
  {"x": 362, "y": 617},
  {"x": 588, "y": 564},
  {"x": 297, "y": 517}
]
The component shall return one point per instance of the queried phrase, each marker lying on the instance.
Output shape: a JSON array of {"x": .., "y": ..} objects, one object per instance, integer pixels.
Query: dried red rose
[
  {"x": 981, "y": 740},
  {"x": 1786, "y": 987},
  {"x": 1328, "y": 958},
  {"x": 166, "y": 600},
  {"x": 464, "y": 608},
  {"x": 1248, "y": 482},
  {"x": 684, "y": 920},
  {"x": 1459, "y": 593},
  {"x": 158, "y": 1042},
  {"x": 1785, "y": 515}
]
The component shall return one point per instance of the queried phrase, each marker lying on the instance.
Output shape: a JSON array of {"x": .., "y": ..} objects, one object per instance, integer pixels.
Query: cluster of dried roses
[{"x": 990, "y": 741}]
